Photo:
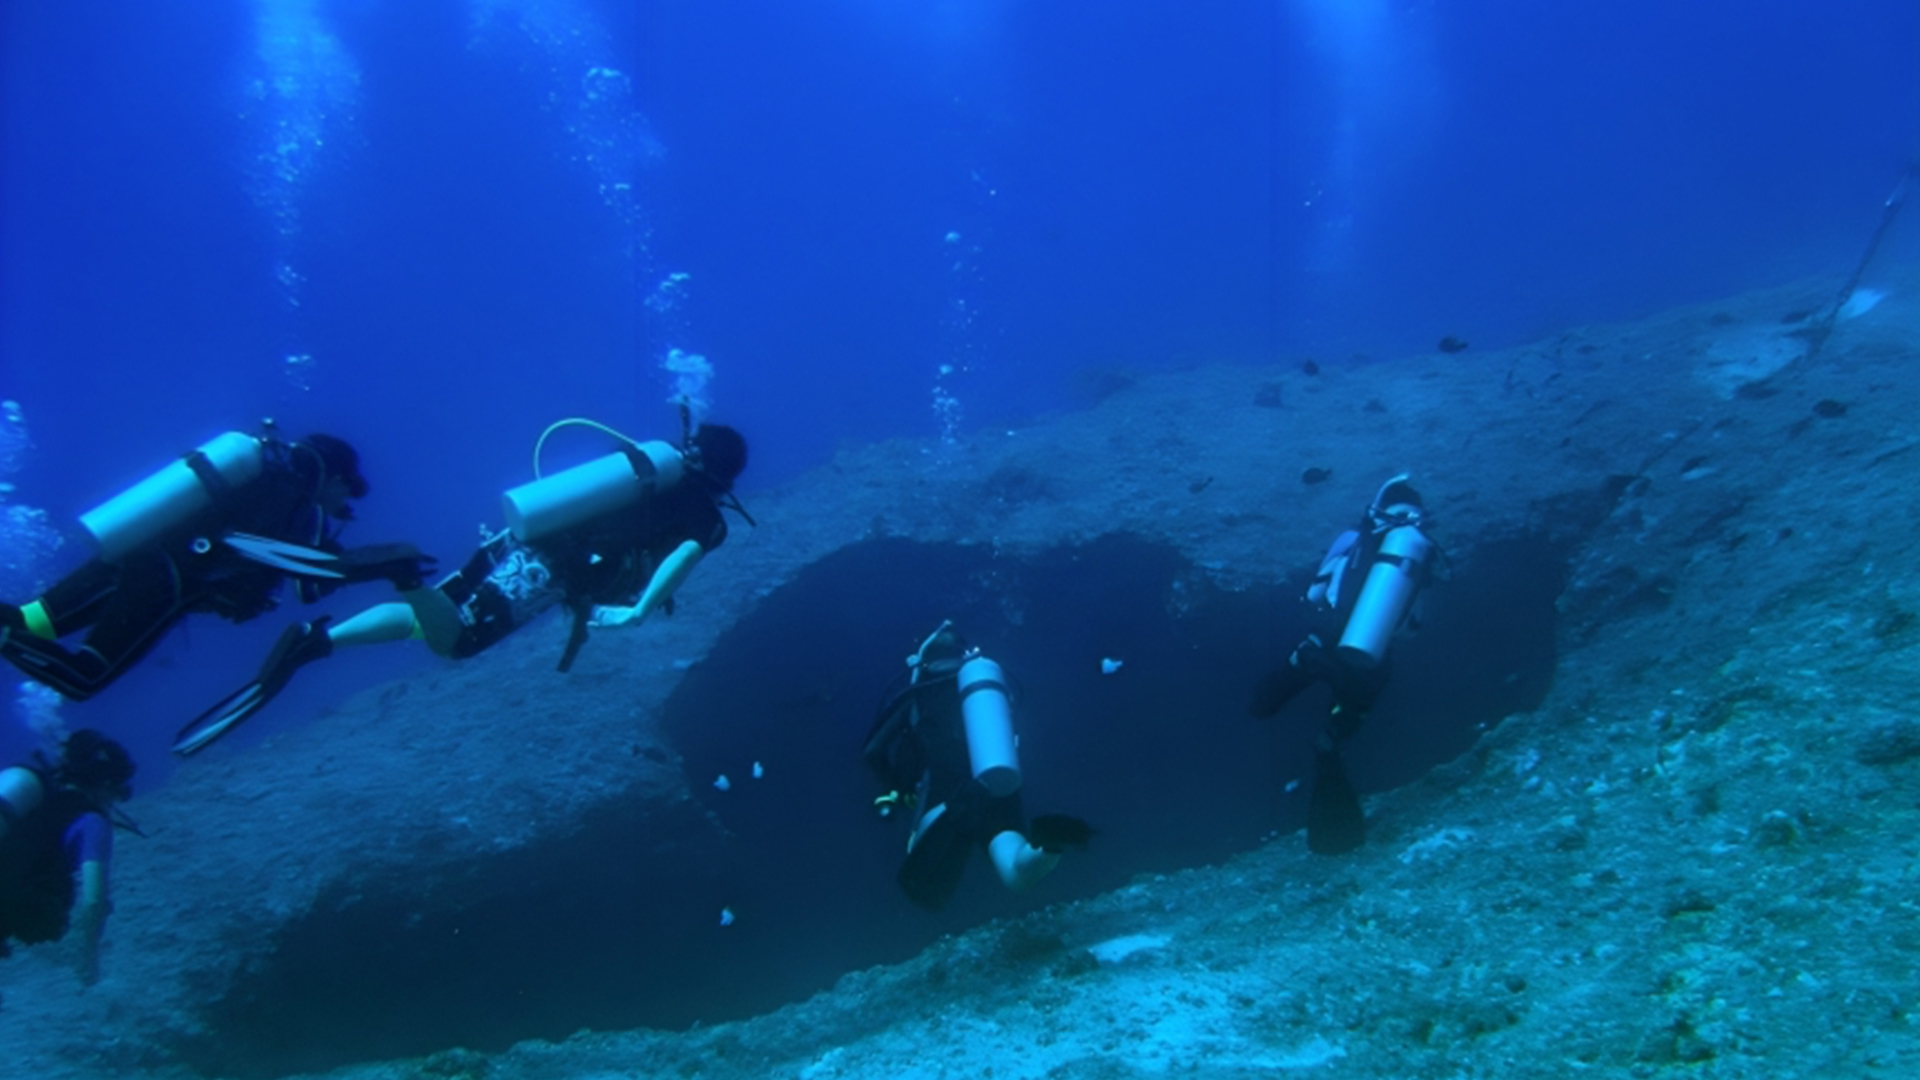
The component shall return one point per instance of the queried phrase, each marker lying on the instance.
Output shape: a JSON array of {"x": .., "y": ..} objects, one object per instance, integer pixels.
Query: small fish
[
  {"x": 1451, "y": 345},
  {"x": 1293, "y": 786},
  {"x": 726, "y": 916},
  {"x": 721, "y": 783},
  {"x": 1109, "y": 665},
  {"x": 758, "y": 772},
  {"x": 1316, "y": 475}
]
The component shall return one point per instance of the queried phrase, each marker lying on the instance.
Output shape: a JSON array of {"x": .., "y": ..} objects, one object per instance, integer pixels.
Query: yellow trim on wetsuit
[{"x": 39, "y": 623}]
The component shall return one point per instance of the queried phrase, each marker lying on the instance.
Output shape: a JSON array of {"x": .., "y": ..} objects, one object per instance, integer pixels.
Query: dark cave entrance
[{"x": 619, "y": 925}]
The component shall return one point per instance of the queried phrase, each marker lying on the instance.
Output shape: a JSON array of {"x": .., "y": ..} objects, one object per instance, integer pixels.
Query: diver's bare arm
[
  {"x": 90, "y": 919},
  {"x": 673, "y": 572}
]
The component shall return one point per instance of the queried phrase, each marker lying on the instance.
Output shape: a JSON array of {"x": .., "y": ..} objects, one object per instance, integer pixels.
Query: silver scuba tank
[
  {"x": 568, "y": 498},
  {"x": 171, "y": 496},
  {"x": 1392, "y": 581},
  {"x": 992, "y": 748}
]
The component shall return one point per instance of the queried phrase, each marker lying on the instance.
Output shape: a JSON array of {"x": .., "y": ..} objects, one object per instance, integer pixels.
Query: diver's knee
[
  {"x": 376, "y": 625},
  {"x": 1019, "y": 864}
]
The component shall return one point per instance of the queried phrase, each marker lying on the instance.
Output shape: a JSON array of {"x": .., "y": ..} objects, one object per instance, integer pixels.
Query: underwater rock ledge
[{"x": 1690, "y": 856}]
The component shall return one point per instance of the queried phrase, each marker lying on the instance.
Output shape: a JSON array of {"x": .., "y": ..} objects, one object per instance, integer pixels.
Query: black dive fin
[
  {"x": 295, "y": 559},
  {"x": 1058, "y": 832},
  {"x": 220, "y": 719},
  {"x": 299, "y": 645},
  {"x": 1335, "y": 822}
]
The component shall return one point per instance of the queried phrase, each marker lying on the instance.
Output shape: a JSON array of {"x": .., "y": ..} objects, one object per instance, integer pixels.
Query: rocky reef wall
[{"x": 1722, "y": 709}]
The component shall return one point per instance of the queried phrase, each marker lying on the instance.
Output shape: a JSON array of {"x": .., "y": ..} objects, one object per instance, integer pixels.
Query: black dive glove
[{"x": 402, "y": 564}]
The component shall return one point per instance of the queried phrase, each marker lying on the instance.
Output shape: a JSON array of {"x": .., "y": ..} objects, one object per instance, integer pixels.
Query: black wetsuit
[
  {"x": 38, "y": 865},
  {"x": 605, "y": 561},
  {"x": 918, "y": 745},
  {"x": 128, "y": 605},
  {"x": 1316, "y": 659},
  {"x": 1355, "y": 688}
]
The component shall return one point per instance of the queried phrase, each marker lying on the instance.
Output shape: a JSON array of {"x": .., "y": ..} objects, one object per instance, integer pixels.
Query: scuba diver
[
  {"x": 56, "y": 840},
  {"x": 217, "y": 532},
  {"x": 610, "y": 541},
  {"x": 1366, "y": 589},
  {"x": 944, "y": 748}
]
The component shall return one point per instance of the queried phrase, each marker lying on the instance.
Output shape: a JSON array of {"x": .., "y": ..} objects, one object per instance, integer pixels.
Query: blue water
[{"x": 895, "y": 220}]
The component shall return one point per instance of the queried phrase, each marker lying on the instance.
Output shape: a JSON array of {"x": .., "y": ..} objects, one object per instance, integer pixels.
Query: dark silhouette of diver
[
  {"x": 944, "y": 748},
  {"x": 56, "y": 843},
  {"x": 218, "y": 531},
  {"x": 610, "y": 541},
  {"x": 1367, "y": 586}
]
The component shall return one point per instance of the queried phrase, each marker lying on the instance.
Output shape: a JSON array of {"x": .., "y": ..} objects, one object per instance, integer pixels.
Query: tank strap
[
  {"x": 1405, "y": 563},
  {"x": 1416, "y": 570},
  {"x": 986, "y": 684},
  {"x": 642, "y": 465},
  {"x": 217, "y": 486}
]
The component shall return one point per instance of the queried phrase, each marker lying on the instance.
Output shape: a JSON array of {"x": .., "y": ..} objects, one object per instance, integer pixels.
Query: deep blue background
[{"x": 1140, "y": 183}]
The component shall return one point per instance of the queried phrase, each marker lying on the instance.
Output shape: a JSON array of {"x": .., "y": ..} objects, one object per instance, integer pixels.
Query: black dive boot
[{"x": 74, "y": 675}]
